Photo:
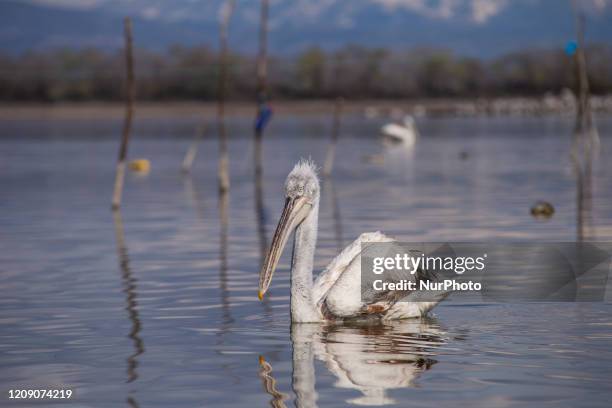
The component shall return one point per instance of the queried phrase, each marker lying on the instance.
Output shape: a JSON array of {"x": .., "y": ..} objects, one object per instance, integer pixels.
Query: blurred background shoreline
[
  {"x": 378, "y": 108},
  {"x": 356, "y": 72}
]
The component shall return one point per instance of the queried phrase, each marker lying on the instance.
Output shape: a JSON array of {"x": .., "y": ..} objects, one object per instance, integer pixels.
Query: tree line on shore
[{"x": 190, "y": 73}]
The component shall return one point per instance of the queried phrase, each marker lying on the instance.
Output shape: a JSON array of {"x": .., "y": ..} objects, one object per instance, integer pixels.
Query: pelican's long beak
[{"x": 296, "y": 209}]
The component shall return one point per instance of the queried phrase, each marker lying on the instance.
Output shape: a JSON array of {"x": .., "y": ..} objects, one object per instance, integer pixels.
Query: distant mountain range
[{"x": 482, "y": 28}]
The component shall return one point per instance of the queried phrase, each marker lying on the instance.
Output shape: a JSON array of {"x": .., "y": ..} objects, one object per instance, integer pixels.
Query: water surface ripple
[{"x": 157, "y": 305}]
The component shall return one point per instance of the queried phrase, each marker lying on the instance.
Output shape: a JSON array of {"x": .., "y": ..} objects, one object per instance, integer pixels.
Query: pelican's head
[
  {"x": 303, "y": 181},
  {"x": 301, "y": 195}
]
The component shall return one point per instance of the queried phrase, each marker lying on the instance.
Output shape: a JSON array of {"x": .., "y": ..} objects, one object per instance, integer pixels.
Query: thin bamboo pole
[
  {"x": 262, "y": 79},
  {"x": 129, "y": 112},
  {"x": 262, "y": 73},
  {"x": 583, "y": 119},
  {"x": 224, "y": 178},
  {"x": 262, "y": 58},
  {"x": 193, "y": 150},
  {"x": 586, "y": 137},
  {"x": 331, "y": 149}
]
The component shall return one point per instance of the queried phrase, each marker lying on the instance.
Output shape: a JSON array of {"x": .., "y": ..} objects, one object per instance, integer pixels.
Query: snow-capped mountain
[{"x": 474, "y": 27}]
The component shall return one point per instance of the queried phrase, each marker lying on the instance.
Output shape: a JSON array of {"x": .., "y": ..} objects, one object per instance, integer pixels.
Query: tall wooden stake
[
  {"x": 586, "y": 137},
  {"x": 583, "y": 114},
  {"x": 129, "y": 112},
  {"x": 331, "y": 149},
  {"x": 193, "y": 150},
  {"x": 262, "y": 74},
  {"x": 224, "y": 179},
  {"x": 262, "y": 58},
  {"x": 262, "y": 77}
]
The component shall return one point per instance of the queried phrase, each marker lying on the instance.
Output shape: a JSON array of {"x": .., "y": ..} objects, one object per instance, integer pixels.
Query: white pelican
[
  {"x": 406, "y": 133},
  {"x": 336, "y": 293}
]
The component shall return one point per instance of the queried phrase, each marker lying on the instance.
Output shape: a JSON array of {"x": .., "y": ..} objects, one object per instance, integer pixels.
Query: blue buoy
[
  {"x": 571, "y": 47},
  {"x": 264, "y": 116}
]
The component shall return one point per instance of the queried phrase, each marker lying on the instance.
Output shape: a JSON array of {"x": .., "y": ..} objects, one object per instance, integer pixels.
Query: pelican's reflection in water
[
  {"x": 370, "y": 358},
  {"x": 129, "y": 288}
]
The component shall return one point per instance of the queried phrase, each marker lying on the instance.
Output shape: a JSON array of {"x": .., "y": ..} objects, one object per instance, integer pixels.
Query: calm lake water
[{"x": 157, "y": 306}]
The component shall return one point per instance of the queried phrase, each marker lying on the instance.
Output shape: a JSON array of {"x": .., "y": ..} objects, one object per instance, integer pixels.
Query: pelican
[
  {"x": 336, "y": 293},
  {"x": 406, "y": 133}
]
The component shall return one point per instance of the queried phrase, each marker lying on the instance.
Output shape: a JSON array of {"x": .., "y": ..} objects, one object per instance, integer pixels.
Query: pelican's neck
[{"x": 303, "y": 308}]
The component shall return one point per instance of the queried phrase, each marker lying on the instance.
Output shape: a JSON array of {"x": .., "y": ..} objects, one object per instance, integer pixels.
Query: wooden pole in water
[
  {"x": 586, "y": 137},
  {"x": 129, "y": 112},
  {"x": 581, "y": 126},
  {"x": 583, "y": 112},
  {"x": 331, "y": 149},
  {"x": 261, "y": 95},
  {"x": 262, "y": 57},
  {"x": 262, "y": 79},
  {"x": 585, "y": 126},
  {"x": 224, "y": 179},
  {"x": 193, "y": 150}
]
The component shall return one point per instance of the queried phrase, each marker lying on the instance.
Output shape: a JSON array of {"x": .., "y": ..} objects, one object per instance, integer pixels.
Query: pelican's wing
[
  {"x": 381, "y": 302},
  {"x": 344, "y": 293},
  {"x": 338, "y": 265}
]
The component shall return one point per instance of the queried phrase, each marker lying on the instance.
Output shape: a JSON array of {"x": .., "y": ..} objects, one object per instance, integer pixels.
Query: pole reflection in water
[
  {"x": 260, "y": 212},
  {"x": 129, "y": 288},
  {"x": 586, "y": 138},
  {"x": 330, "y": 188},
  {"x": 371, "y": 358},
  {"x": 583, "y": 154},
  {"x": 260, "y": 216},
  {"x": 584, "y": 197},
  {"x": 331, "y": 148},
  {"x": 193, "y": 150},
  {"x": 194, "y": 196},
  {"x": 223, "y": 278}
]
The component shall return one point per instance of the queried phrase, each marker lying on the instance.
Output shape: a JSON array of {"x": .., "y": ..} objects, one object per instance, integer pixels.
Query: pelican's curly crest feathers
[
  {"x": 305, "y": 168},
  {"x": 303, "y": 179}
]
